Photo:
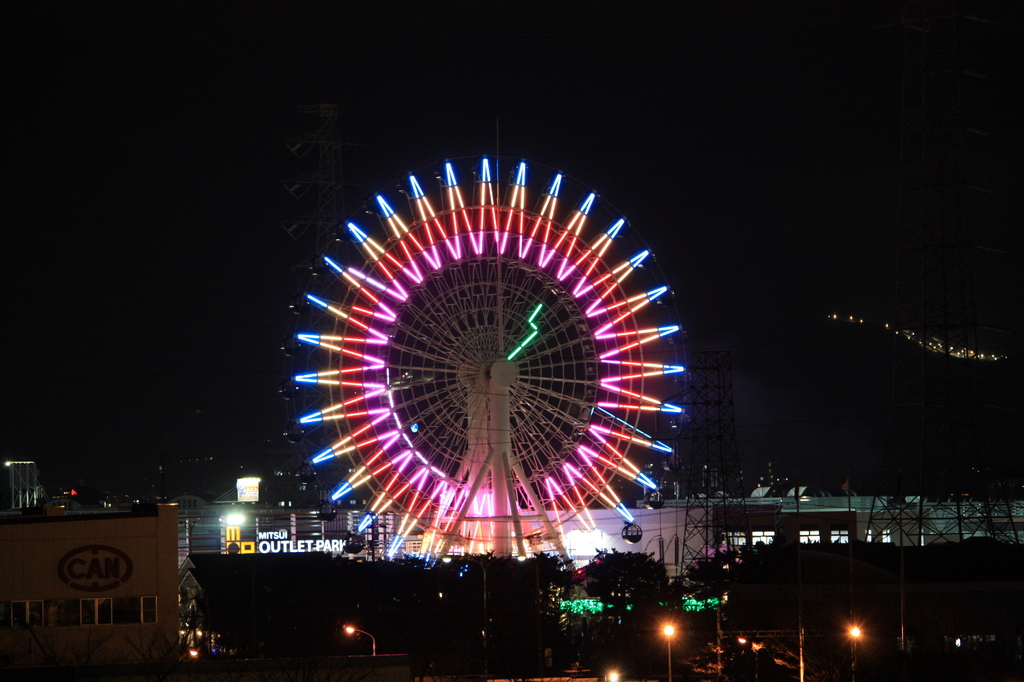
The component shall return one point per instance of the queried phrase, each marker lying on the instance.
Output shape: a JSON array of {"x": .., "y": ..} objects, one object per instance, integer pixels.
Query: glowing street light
[
  {"x": 669, "y": 631},
  {"x": 373, "y": 642},
  {"x": 854, "y": 636}
]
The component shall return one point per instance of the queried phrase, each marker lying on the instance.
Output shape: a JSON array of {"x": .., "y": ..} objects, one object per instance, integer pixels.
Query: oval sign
[{"x": 95, "y": 568}]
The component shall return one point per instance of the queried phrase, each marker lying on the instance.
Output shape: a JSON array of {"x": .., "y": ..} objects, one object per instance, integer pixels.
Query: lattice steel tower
[
  {"x": 327, "y": 178},
  {"x": 931, "y": 483},
  {"x": 714, "y": 486},
  {"x": 328, "y": 182},
  {"x": 24, "y": 489}
]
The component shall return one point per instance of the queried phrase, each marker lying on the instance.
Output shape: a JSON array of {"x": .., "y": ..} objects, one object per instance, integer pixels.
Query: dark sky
[{"x": 146, "y": 276}]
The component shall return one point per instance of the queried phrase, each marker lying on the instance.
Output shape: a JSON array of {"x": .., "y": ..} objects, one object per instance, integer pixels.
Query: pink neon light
[
  {"x": 476, "y": 239},
  {"x": 454, "y": 245},
  {"x": 570, "y": 264},
  {"x": 402, "y": 460},
  {"x": 418, "y": 478}
]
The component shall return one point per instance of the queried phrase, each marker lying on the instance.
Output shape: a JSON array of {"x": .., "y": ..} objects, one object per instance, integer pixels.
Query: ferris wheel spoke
[
  {"x": 559, "y": 380},
  {"x": 538, "y": 400},
  {"x": 416, "y": 352},
  {"x": 428, "y": 398}
]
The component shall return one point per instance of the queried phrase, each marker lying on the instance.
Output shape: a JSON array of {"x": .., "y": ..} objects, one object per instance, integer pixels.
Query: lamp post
[
  {"x": 669, "y": 631},
  {"x": 373, "y": 642},
  {"x": 854, "y": 636},
  {"x": 483, "y": 571}
]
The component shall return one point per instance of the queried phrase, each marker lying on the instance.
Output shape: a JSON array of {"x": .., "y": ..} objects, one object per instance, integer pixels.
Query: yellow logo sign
[{"x": 233, "y": 541}]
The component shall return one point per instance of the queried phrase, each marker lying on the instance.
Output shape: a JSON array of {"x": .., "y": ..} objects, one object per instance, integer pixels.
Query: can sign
[{"x": 95, "y": 568}]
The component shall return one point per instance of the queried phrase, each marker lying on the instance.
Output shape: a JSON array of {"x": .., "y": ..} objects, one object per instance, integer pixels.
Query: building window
[
  {"x": 765, "y": 536},
  {"x": 97, "y": 611},
  {"x": 886, "y": 536},
  {"x": 840, "y": 534},
  {"x": 736, "y": 538},
  {"x": 26, "y": 613},
  {"x": 62, "y": 612},
  {"x": 149, "y": 609},
  {"x": 126, "y": 610},
  {"x": 808, "y": 535}
]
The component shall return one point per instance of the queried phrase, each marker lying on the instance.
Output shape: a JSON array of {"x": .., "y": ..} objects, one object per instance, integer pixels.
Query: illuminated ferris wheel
[{"x": 488, "y": 373}]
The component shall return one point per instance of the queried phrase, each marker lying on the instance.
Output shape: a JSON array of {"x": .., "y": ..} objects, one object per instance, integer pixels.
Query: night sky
[{"x": 146, "y": 275}]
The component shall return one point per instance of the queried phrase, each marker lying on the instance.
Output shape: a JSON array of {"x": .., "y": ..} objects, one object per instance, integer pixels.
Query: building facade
[{"x": 89, "y": 589}]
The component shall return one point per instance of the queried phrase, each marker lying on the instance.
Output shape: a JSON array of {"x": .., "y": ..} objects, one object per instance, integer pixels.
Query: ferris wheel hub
[{"x": 504, "y": 372}]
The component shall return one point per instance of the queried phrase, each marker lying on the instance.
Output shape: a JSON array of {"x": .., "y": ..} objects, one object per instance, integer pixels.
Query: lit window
[
  {"x": 808, "y": 535},
  {"x": 764, "y": 536},
  {"x": 736, "y": 538},
  {"x": 840, "y": 537}
]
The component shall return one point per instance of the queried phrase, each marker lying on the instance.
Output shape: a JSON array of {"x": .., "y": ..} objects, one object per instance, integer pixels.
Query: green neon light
[
  {"x": 585, "y": 606},
  {"x": 582, "y": 606},
  {"x": 692, "y": 604},
  {"x": 532, "y": 335}
]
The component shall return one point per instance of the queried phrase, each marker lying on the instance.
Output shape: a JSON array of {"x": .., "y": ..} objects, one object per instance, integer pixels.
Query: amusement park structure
[{"x": 491, "y": 368}]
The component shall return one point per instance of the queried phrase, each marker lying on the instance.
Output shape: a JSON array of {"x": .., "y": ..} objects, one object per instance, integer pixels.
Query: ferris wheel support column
[
  {"x": 554, "y": 536},
  {"x": 502, "y": 376},
  {"x": 474, "y": 489},
  {"x": 499, "y": 469}
]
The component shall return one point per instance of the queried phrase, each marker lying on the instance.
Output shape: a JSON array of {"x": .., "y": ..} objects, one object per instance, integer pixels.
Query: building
[{"x": 89, "y": 589}]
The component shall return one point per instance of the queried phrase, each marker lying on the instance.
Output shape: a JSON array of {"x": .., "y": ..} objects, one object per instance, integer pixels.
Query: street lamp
[
  {"x": 373, "y": 642},
  {"x": 755, "y": 647},
  {"x": 854, "y": 636},
  {"x": 669, "y": 631}
]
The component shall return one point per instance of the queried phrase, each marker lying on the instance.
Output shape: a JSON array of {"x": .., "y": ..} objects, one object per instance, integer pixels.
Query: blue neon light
[
  {"x": 672, "y": 369},
  {"x": 646, "y": 482},
  {"x": 312, "y": 339},
  {"x": 334, "y": 266},
  {"x": 485, "y": 170},
  {"x": 343, "y": 489},
  {"x": 357, "y": 234},
  {"x": 449, "y": 175},
  {"x": 658, "y": 445},
  {"x": 670, "y": 329},
  {"x": 366, "y": 522},
  {"x": 623, "y": 421},
  {"x": 384, "y": 207},
  {"x": 396, "y": 543},
  {"x": 639, "y": 258},
  {"x": 324, "y": 456},
  {"x": 655, "y": 293},
  {"x": 587, "y": 204},
  {"x": 415, "y": 427},
  {"x": 417, "y": 191},
  {"x": 312, "y": 418},
  {"x": 318, "y": 301},
  {"x": 624, "y": 513},
  {"x": 306, "y": 378},
  {"x": 669, "y": 407},
  {"x": 614, "y": 228},
  {"x": 556, "y": 185},
  {"x": 521, "y": 174}
]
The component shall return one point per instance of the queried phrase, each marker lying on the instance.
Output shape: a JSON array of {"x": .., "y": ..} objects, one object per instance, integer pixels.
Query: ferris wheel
[{"x": 490, "y": 370}]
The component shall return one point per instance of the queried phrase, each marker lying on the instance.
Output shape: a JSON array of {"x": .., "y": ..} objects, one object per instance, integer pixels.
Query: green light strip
[{"x": 532, "y": 335}]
